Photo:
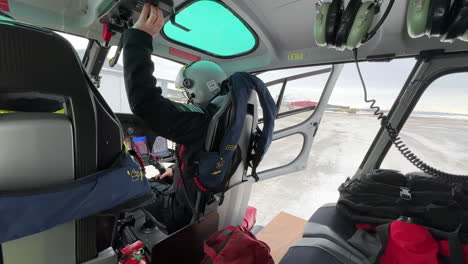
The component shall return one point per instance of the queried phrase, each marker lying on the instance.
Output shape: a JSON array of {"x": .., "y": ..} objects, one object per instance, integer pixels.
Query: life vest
[
  {"x": 29, "y": 211},
  {"x": 216, "y": 168}
]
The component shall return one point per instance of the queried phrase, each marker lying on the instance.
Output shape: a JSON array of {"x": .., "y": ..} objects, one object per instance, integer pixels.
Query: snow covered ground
[{"x": 340, "y": 145}]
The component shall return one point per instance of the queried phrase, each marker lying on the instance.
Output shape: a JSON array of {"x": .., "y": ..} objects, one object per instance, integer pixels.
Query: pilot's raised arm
[{"x": 181, "y": 123}]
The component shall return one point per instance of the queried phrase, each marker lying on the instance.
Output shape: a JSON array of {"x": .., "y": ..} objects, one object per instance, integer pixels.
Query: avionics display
[
  {"x": 140, "y": 145},
  {"x": 160, "y": 148}
]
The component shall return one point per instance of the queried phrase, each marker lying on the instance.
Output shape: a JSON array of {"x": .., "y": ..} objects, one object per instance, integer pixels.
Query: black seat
[
  {"x": 40, "y": 68},
  {"x": 325, "y": 240},
  {"x": 329, "y": 216}
]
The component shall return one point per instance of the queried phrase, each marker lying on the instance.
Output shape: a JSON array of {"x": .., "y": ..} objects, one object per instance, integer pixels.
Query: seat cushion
[
  {"x": 322, "y": 250},
  {"x": 328, "y": 215},
  {"x": 306, "y": 255}
]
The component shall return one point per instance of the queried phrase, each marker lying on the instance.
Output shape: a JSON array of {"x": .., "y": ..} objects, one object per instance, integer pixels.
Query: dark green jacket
[{"x": 181, "y": 123}]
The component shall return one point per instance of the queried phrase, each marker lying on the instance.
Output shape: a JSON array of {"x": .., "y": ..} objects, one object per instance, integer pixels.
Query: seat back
[
  {"x": 237, "y": 196},
  {"x": 37, "y": 150},
  {"x": 40, "y": 67}
]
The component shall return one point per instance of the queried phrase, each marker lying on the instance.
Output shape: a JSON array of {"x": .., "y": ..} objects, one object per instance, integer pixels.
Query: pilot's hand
[
  {"x": 168, "y": 173},
  {"x": 151, "y": 20}
]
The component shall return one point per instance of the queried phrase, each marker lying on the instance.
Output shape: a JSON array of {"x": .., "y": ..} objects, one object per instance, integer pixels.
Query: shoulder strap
[
  {"x": 454, "y": 242},
  {"x": 321, "y": 231}
]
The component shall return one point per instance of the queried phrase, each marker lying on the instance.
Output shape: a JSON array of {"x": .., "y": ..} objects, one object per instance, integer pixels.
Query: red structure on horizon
[{"x": 303, "y": 104}]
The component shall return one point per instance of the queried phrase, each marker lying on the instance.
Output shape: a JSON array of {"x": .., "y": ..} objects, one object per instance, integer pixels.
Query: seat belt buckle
[{"x": 405, "y": 193}]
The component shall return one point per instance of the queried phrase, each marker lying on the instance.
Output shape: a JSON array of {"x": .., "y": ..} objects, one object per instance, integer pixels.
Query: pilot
[{"x": 185, "y": 124}]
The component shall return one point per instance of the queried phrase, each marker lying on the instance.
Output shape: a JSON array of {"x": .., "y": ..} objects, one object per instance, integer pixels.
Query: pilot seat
[{"x": 41, "y": 73}]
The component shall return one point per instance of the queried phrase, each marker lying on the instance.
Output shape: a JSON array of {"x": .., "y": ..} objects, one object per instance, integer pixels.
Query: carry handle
[{"x": 209, "y": 249}]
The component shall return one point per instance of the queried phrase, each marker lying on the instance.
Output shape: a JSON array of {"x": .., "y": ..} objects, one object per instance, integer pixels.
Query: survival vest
[
  {"x": 216, "y": 168},
  {"x": 30, "y": 211}
]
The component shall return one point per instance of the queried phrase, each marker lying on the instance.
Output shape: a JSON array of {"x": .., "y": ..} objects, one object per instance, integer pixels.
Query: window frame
[
  {"x": 414, "y": 103},
  {"x": 187, "y": 4},
  {"x": 284, "y": 81},
  {"x": 428, "y": 68}
]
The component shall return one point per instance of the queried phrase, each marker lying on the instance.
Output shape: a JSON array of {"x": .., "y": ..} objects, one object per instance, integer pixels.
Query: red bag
[
  {"x": 236, "y": 245},
  {"x": 410, "y": 243}
]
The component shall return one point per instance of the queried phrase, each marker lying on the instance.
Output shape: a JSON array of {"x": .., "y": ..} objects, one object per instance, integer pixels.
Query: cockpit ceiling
[{"x": 284, "y": 29}]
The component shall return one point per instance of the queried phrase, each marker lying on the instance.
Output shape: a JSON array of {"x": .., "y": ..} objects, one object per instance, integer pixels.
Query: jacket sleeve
[{"x": 177, "y": 122}]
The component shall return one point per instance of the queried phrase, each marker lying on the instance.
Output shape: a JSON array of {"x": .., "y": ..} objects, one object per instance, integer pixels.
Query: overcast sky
[{"x": 384, "y": 81}]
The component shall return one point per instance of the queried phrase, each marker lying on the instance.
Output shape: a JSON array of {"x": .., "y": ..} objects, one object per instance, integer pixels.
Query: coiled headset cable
[{"x": 398, "y": 142}]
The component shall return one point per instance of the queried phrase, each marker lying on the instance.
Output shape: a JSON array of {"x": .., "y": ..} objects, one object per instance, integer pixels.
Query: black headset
[
  {"x": 459, "y": 21},
  {"x": 187, "y": 82},
  {"x": 437, "y": 18},
  {"x": 338, "y": 27},
  {"x": 333, "y": 21}
]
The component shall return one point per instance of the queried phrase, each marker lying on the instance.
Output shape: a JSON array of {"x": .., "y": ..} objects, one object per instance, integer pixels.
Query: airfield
[{"x": 339, "y": 148}]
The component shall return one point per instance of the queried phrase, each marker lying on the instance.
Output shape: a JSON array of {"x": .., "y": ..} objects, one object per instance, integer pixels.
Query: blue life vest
[
  {"x": 26, "y": 212},
  {"x": 215, "y": 168}
]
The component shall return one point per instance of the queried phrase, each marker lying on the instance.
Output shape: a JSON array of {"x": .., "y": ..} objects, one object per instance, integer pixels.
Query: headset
[
  {"x": 458, "y": 28},
  {"x": 341, "y": 28},
  {"x": 427, "y": 17},
  {"x": 437, "y": 18}
]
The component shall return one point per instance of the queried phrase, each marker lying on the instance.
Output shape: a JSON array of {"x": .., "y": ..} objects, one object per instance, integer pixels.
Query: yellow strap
[{"x": 61, "y": 111}]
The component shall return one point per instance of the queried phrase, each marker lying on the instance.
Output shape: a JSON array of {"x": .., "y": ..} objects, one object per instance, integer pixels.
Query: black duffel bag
[{"x": 383, "y": 196}]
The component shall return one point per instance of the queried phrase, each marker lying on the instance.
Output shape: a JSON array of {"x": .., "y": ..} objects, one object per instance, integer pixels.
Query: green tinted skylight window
[{"x": 213, "y": 29}]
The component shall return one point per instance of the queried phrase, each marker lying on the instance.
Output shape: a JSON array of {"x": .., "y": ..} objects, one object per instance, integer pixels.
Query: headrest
[
  {"x": 31, "y": 103},
  {"x": 37, "y": 61}
]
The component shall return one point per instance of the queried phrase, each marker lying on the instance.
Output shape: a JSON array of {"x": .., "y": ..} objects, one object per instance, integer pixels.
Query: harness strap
[{"x": 383, "y": 232}]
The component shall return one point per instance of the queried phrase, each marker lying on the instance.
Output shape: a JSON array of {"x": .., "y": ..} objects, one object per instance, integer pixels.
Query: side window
[
  {"x": 301, "y": 94},
  {"x": 112, "y": 86},
  {"x": 348, "y": 126},
  {"x": 113, "y": 89},
  {"x": 79, "y": 43},
  {"x": 346, "y": 131},
  {"x": 437, "y": 129}
]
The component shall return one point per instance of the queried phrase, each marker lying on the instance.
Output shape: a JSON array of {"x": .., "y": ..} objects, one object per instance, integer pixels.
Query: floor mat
[{"x": 281, "y": 233}]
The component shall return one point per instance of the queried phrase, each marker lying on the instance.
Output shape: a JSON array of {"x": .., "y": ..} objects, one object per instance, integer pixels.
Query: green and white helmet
[{"x": 201, "y": 81}]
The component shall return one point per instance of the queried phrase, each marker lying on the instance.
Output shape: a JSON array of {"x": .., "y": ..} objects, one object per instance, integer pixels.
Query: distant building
[{"x": 302, "y": 104}]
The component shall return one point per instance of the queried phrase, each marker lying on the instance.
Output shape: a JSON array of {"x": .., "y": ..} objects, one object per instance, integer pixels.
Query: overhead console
[{"x": 121, "y": 14}]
